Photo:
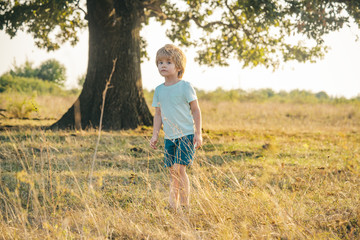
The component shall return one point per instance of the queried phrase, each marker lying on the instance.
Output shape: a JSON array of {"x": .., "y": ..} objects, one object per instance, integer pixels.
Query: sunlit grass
[
  {"x": 47, "y": 107},
  {"x": 266, "y": 171}
]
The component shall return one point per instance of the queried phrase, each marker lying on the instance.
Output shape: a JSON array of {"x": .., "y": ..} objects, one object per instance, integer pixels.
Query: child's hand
[
  {"x": 198, "y": 141},
  {"x": 153, "y": 142}
]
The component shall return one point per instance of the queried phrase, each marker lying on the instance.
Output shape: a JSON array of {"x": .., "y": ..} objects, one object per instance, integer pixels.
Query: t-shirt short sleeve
[
  {"x": 156, "y": 102},
  {"x": 190, "y": 93}
]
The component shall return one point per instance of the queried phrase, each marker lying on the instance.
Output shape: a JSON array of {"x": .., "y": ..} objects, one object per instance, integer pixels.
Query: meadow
[{"x": 267, "y": 170}]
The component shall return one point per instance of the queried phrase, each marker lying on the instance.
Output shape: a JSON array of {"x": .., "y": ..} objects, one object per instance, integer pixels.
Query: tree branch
[
  {"x": 154, "y": 9},
  {"x": 81, "y": 9},
  {"x": 238, "y": 25}
]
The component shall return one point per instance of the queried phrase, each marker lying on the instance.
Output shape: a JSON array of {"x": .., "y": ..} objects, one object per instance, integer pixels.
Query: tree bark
[{"x": 114, "y": 32}]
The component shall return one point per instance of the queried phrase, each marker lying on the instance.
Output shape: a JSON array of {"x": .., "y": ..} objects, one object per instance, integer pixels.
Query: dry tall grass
[
  {"x": 284, "y": 116},
  {"x": 266, "y": 171}
]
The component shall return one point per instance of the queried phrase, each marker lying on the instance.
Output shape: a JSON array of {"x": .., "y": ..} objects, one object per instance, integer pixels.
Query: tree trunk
[{"x": 114, "y": 28}]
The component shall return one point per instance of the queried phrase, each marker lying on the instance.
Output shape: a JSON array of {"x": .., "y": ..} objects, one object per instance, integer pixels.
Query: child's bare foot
[
  {"x": 170, "y": 209},
  {"x": 185, "y": 209}
]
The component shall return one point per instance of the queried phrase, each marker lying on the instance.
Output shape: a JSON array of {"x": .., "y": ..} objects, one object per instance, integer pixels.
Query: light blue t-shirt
[{"x": 175, "y": 108}]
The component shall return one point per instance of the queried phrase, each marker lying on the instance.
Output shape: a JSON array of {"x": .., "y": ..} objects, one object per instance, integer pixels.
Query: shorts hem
[{"x": 180, "y": 151}]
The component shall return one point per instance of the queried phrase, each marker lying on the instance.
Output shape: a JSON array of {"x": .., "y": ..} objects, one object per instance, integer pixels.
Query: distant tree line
[
  {"x": 50, "y": 70},
  {"x": 46, "y": 79},
  {"x": 49, "y": 78},
  {"x": 265, "y": 95}
]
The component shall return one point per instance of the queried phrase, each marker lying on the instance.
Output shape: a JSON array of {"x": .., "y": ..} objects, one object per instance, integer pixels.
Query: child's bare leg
[
  {"x": 174, "y": 186},
  {"x": 184, "y": 186}
]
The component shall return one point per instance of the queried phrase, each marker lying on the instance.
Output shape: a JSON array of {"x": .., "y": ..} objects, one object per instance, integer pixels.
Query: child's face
[{"x": 167, "y": 67}]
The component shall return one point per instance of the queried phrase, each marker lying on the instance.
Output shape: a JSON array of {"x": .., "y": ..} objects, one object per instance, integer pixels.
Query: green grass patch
[{"x": 30, "y": 86}]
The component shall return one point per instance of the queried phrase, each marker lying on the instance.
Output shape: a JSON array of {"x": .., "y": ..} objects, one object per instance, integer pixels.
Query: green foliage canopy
[
  {"x": 259, "y": 32},
  {"x": 53, "y": 71},
  {"x": 51, "y": 22},
  {"x": 256, "y": 32},
  {"x": 26, "y": 70}
]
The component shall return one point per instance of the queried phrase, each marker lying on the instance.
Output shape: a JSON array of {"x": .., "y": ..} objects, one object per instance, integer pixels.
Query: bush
[
  {"x": 9, "y": 83},
  {"x": 26, "y": 70},
  {"x": 50, "y": 70},
  {"x": 21, "y": 108}
]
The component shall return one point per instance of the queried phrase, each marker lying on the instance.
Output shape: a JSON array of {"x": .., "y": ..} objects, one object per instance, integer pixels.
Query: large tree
[{"x": 256, "y": 32}]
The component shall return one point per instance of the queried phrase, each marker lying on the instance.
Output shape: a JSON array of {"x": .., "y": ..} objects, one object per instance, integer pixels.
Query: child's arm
[
  {"x": 195, "y": 110},
  {"x": 156, "y": 129}
]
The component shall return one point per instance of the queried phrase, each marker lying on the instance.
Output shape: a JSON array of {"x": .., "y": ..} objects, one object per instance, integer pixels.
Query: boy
[{"x": 177, "y": 108}]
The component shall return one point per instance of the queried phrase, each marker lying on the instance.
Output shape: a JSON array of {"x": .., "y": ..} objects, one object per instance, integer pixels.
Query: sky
[{"x": 338, "y": 73}]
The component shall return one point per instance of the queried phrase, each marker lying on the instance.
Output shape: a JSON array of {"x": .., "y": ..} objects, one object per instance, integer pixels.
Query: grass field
[{"x": 266, "y": 171}]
